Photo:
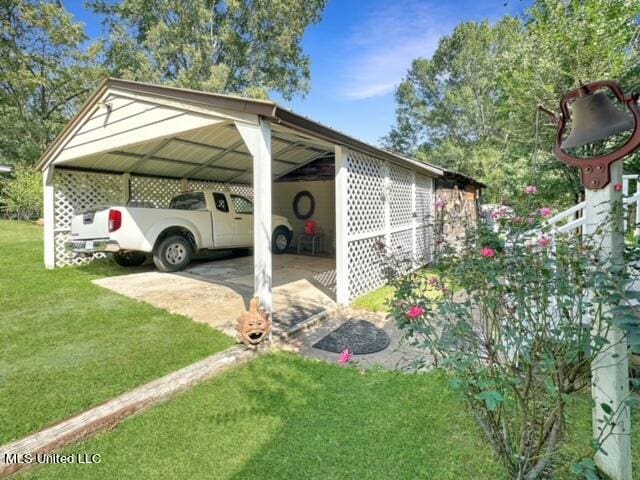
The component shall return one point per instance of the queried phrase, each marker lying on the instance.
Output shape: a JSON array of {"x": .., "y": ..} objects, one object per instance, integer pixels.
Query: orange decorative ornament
[{"x": 254, "y": 325}]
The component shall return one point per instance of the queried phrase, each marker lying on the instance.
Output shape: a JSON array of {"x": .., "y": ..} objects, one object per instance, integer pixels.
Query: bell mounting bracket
[{"x": 595, "y": 171}]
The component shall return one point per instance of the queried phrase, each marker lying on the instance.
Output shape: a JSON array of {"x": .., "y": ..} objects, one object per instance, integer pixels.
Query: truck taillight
[{"x": 115, "y": 220}]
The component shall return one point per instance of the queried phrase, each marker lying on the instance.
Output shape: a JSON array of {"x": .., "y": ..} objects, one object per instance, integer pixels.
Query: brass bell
[{"x": 595, "y": 118}]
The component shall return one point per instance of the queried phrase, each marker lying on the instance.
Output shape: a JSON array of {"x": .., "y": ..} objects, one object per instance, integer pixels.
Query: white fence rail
[{"x": 573, "y": 219}]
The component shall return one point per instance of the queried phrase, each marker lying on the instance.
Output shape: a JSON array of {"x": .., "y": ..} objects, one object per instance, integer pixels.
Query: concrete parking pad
[{"x": 216, "y": 292}]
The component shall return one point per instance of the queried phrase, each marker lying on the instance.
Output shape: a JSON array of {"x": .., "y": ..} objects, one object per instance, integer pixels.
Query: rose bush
[{"x": 517, "y": 333}]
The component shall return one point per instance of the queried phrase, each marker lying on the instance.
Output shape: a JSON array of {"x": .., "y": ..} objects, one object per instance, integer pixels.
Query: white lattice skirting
[{"x": 386, "y": 204}]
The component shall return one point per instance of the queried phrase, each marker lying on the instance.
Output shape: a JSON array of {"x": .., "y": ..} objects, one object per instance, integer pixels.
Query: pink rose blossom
[
  {"x": 440, "y": 204},
  {"x": 415, "y": 312},
  {"x": 544, "y": 242},
  {"x": 618, "y": 187},
  {"x": 433, "y": 281},
  {"x": 546, "y": 211},
  {"x": 531, "y": 190},
  {"x": 345, "y": 357},
  {"x": 501, "y": 212},
  {"x": 488, "y": 252}
]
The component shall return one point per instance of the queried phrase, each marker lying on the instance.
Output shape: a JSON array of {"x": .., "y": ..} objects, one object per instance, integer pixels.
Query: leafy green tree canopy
[
  {"x": 472, "y": 106},
  {"x": 248, "y": 47},
  {"x": 45, "y": 72}
]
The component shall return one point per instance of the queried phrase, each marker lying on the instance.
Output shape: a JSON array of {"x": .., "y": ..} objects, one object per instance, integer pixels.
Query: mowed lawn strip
[
  {"x": 282, "y": 416},
  {"x": 67, "y": 345}
]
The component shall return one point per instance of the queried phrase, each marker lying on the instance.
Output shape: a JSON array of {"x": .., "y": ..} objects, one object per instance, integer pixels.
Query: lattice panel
[
  {"x": 152, "y": 192},
  {"x": 64, "y": 258},
  {"x": 402, "y": 249},
  {"x": 424, "y": 198},
  {"x": 365, "y": 193},
  {"x": 240, "y": 189},
  {"x": 365, "y": 266},
  {"x": 401, "y": 181},
  {"x": 76, "y": 191},
  {"x": 424, "y": 245}
]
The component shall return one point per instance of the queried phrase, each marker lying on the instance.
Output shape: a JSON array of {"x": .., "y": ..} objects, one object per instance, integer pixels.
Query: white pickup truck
[{"x": 194, "y": 222}]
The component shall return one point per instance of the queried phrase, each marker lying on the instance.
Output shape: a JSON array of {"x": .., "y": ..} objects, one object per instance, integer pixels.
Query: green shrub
[{"x": 22, "y": 195}]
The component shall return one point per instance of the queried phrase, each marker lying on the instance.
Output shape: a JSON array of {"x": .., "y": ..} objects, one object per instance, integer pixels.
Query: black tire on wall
[
  {"x": 280, "y": 241},
  {"x": 172, "y": 253},
  {"x": 129, "y": 259}
]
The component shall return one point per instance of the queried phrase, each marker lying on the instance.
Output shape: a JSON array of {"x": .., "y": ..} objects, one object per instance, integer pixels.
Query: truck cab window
[
  {"x": 242, "y": 205},
  {"x": 220, "y": 201},
  {"x": 188, "y": 201}
]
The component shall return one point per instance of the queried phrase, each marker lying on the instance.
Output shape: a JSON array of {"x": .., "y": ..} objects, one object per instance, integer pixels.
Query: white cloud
[{"x": 382, "y": 47}]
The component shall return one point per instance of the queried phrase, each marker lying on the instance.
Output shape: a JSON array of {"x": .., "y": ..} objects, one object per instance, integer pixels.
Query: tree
[
  {"x": 472, "y": 106},
  {"x": 45, "y": 73},
  {"x": 238, "y": 46}
]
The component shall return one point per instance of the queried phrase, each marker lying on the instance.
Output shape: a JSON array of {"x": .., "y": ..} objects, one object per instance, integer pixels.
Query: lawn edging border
[{"x": 112, "y": 412}]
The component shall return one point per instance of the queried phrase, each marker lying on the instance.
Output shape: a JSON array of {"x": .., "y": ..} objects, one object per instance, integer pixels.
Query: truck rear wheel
[
  {"x": 281, "y": 239},
  {"x": 129, "y": 259},
  {"x": 172, "y": 254}
]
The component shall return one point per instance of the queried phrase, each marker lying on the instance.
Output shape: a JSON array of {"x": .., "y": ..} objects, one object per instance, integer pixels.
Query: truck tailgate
[{"x": 92, "y": 223}]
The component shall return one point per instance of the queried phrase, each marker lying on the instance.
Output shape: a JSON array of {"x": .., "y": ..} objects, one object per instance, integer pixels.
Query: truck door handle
[{"x": 237, "y": 218}]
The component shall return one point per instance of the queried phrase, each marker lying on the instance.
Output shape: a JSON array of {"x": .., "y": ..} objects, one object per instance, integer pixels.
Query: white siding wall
[{"x": 324, "y": 214}]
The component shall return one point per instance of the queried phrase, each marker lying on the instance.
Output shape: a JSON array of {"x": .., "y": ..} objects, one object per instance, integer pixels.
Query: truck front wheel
[
  {"x": 281, "y": 239},
  {"x": 129, "y": 259},
  {"x": 172, "y": 254}
]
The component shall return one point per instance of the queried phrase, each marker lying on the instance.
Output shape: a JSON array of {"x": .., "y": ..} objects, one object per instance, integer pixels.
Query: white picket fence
[{"x": 573, "y": 219}]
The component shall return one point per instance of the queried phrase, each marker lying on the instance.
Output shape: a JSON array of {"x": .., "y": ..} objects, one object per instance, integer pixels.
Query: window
[
  {"x": 188, "y": 201},
  {"x": 242, "y": 205},
  {"x": 221, "y": 202}
]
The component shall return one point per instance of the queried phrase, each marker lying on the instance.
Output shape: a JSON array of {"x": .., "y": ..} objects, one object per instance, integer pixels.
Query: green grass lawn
[
  {"x": 282, "y": 416},
  {"x": 377, "y": 301},
  {"x": 68, "y": 345}
]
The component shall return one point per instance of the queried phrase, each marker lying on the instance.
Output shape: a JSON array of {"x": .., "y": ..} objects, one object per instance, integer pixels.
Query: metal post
[
  {"x": 49, "y": 218},
  {"x": 414, "y": 231},
  {"x": 258, "y": 141},
  {"x": 126, "y": 188},
  {"x": 342, "y": 241},
  {"x": 610, "y": 370},
  {"x": 637, "y": 225},
  {"x": 387, "y": 206}
]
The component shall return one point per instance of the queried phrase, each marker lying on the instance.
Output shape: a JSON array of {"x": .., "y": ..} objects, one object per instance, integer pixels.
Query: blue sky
[{"x": 362, "y": 49}]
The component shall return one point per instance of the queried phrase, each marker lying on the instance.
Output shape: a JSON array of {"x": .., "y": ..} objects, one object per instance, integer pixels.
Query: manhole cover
[{"x": 358, "y": 336}]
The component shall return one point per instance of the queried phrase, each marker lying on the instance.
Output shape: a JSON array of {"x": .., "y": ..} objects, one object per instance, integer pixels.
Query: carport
[{"x": 140, "y": 144}]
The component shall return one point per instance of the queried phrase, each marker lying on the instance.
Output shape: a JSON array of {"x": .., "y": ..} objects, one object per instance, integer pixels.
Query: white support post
[
  {"x": 610, "y": 370},
  {"x": 126, "y": 188},
  {"x": 258, "y": 141},
  {"x": 49, "y": 218},
  {"x": 184, "y": 185},
  {"x": 637, "y": 225},
  {"x": 342, "y": 231},
  {"x": 414, "y": 231},
  {"x": 387, "y": 207}
]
